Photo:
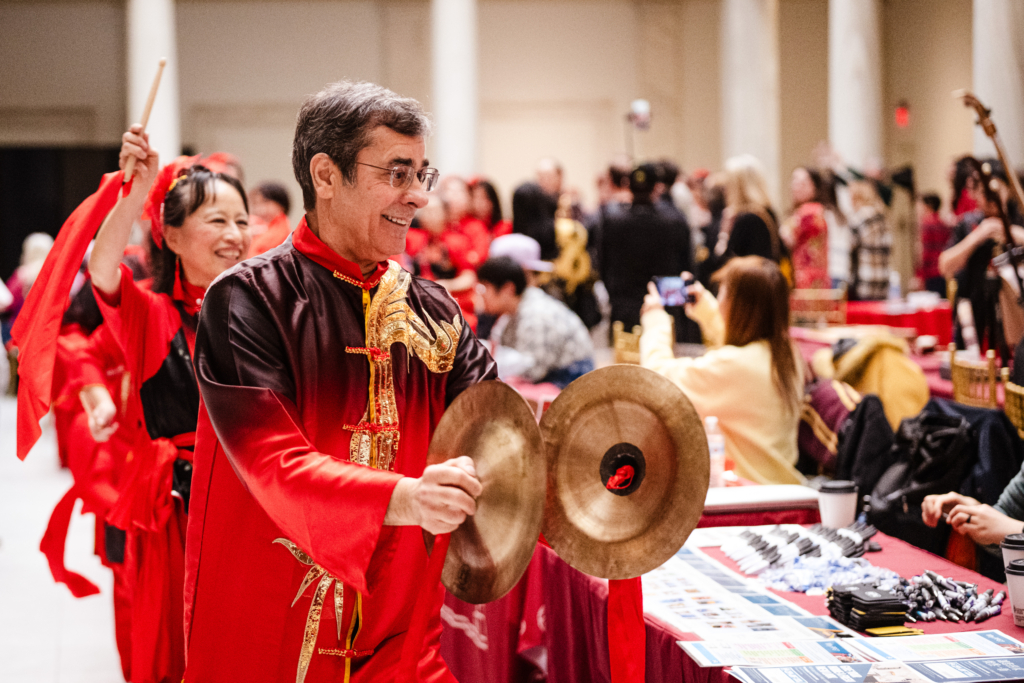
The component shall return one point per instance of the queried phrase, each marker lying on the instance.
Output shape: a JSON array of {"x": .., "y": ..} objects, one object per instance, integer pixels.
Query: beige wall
[
  {"x": 927, "y": 56},
  {"x": 246, "y": 66},
  {"x": 61, "y": 73},
  {"x": 803, "y": 84},
  {"x": 556, "y": 79}
]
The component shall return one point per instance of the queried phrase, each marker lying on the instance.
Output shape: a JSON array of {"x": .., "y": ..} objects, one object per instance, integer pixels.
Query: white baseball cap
[{"x": 522, "y": 249}]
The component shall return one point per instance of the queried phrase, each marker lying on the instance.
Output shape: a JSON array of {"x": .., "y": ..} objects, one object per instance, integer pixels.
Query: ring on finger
[{"x": 968, "y": 519}]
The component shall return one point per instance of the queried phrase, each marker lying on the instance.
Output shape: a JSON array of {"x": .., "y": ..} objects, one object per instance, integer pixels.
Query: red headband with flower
[{"x": 165, "y": 180}]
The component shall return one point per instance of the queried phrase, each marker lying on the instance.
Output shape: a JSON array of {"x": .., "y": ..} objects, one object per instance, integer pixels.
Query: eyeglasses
[{"x": 402, "y": 175}]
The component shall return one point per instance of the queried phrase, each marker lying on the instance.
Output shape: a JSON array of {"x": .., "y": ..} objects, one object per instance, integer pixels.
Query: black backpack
[{"x": 932, "y": 454}]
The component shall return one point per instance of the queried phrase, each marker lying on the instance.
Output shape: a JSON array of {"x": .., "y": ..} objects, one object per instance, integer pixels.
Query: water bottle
[
  {"x": 894, "y": 286},
  {"x": 716, "y": 447}
]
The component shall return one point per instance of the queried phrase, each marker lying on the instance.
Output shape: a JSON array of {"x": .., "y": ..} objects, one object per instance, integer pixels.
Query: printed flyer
[
  {"x": 696, "y": 594},
  {"x": 940, "y": 646},
  {"x": 783, "y": 653}
]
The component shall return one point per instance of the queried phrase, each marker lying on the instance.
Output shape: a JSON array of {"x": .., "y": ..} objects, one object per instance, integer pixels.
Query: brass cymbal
[
  {"x": 491, "y": 423},
  {"x": 627, "y": 471}
]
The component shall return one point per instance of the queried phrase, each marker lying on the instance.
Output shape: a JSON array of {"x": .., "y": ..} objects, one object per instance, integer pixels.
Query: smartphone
[{"x": 674, "y": 290}]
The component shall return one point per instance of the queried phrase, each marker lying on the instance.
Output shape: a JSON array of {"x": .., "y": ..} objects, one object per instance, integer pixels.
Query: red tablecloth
[
  {"x": 936, "y": 321},
  {"x": 565, "y": 610},
  {"x": 797, "y": 516}
]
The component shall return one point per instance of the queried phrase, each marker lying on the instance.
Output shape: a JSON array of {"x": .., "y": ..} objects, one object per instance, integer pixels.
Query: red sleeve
[
  {"x": 142, "y": 322},
  {"x": 479, "y": 240},
  {"x": 73, "y": 366},
  {"x": 331, "y": 508},
  {"x": 415, "y": 240},
  {"x": 461, "y": 252}
]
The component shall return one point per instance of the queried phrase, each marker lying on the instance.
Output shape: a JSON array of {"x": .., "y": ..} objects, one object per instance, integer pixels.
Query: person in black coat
[
  {"x": 640, "y": 241},
  {"x": 533, "y": 215}
]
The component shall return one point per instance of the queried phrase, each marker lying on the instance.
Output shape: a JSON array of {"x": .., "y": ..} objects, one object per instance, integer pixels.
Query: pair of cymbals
[{"x": 615, "y": 477}]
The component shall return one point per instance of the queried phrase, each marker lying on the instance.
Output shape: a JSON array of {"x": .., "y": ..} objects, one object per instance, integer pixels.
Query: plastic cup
[
  {"x": 1015, "y": 587},
  {"x": 1013, "y": 548},
  {"x": 837, "y": 503}
]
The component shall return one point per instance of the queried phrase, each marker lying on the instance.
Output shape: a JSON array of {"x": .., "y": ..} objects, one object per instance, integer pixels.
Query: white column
[
  {"x": 750, "y": 84},
  {"x": 998, "y": 72},
  {"x": 855, "y": 81},
  {"x": 152, "y": 35},
  {"x": 455, "y": 101}
]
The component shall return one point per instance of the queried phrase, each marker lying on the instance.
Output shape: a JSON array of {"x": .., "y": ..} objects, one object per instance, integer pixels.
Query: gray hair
[{"x": 339, "y": 120}]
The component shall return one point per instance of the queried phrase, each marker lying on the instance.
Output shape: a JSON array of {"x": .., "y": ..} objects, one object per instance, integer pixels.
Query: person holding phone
[{"x": 750, "y": 378}]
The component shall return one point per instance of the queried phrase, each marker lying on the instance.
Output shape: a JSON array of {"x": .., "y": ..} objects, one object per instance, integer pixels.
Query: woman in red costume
[
  {"x": 806, "y": 231},
  {"x": 199, "y": 229},
  {"x": 459, "y": 217},
  {"x": 444, "y": 255},
  {"x": 487, "y": 207},
  {"x": 98, "y": 420}
]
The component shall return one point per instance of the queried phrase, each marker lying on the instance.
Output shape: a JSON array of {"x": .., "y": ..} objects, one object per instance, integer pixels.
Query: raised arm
[{"x": 112, "y": 238}]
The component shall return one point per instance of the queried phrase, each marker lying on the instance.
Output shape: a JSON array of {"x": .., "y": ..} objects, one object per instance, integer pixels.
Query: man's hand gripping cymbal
[{"x": 438, "y": 501}]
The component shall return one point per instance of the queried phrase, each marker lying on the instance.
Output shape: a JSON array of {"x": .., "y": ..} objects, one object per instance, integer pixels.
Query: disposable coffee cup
[
  {"x": 1015, "y": 587},
  {"x": 1013, "y": 548},
  {"x": 837, "y": 503}
]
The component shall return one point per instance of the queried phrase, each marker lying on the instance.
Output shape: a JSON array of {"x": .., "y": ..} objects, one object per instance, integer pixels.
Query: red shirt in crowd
[{"x": 934, "y": 238}]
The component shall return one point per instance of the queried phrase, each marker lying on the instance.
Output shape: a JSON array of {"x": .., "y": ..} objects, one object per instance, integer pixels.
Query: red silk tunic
[
  {"x": 156, "y": 333},
  {"x": 320, "y": 390}
]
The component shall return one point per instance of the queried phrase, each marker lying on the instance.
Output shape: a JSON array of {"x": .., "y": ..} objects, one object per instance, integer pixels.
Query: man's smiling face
[{"x": 372, "y": 216}]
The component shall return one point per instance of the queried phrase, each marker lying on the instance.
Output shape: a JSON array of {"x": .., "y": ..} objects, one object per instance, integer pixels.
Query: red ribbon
[
  {"x": 627, "y": 635},
  {"x": 622, "y": 479},
  {"x": 52, "y": 546},
  {"x": 36, "y": 330}
]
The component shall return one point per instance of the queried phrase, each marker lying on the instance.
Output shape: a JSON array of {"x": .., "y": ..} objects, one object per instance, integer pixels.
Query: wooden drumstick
[{"x": 129, "y": 168}]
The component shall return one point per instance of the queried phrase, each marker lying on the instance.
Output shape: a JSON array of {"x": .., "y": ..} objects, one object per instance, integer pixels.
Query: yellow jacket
[{"x": 882, "y": 366}]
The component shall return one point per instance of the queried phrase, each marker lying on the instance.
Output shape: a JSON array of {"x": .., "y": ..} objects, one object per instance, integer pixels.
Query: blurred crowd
[{"x": 546, "y": 285}]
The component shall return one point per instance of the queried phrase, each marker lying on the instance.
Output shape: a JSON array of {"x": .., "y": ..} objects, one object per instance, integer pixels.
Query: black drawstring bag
[{"x": 933, "y": 454}]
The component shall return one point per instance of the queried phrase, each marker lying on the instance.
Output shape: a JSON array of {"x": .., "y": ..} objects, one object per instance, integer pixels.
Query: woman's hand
[
  {"x": 983, "y": 523},
  {"x": 104, "y": 264},
  {"x": 135, "y": 143},
  {"x": 100, "y": 410},
  {"x": 934, "y": 506},
  {"x": 697, "y": 290},
  {"x": 652, "y": 300}
]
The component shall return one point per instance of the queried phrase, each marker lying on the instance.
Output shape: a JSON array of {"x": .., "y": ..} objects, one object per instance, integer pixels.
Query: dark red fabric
[
  {"x": 412, "y": 648},
  {"x": 190, "y": 295},
  {"x": 52, "y": 546},
  {"x": 272, "y": 343},
  {"x": 937, "y": 321},
  {"x": 934, "y": 238},
  {"x": 627, "y": 637},
  {"x": 38, "y": 325},
  {"x": 479, "y": 239},
  {"x": 453, "y": 247},
  {"x": 277, "y": 232},
  {"x": 144, "y": 323},
  {"x": 797, "y": 516},
  {"x": 306, "y": 241}
]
